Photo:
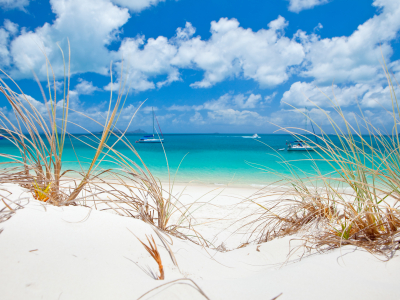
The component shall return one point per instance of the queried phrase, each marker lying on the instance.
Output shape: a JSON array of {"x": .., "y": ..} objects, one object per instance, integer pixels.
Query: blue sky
[{"x": 208, "y": 66}]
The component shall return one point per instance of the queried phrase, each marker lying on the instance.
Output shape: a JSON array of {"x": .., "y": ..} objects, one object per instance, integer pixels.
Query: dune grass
[
  {"x": 128, "y": 188},
  {"x": 40, "y": 141},
  {"x": 357, "y": 204}
]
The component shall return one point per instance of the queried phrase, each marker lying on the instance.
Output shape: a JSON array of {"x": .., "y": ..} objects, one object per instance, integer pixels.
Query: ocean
[{"x": 219, "y": 159}]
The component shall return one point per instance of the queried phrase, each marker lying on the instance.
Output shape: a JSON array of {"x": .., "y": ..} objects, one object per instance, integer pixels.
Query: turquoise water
[{"x": 210, "y": 158}]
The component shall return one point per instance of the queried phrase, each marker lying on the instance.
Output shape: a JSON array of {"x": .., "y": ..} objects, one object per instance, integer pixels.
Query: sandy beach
[
  {"x": 76, "y": 252},
  {"x": 184, "y": 150}
]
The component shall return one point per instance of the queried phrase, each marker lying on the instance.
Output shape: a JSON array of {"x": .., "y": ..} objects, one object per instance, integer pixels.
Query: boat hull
[
  {"x": 301, "y": 149},
  {"x": 151, "y": 141}
]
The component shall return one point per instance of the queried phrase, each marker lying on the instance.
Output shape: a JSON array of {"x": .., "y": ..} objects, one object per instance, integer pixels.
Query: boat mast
[
  {"x": 312, "y": 126},
  {"x": 152, "y": 109}
]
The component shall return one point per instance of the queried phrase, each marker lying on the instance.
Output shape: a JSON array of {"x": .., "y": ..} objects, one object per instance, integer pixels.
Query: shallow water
[{"x": 207, "y": 158}]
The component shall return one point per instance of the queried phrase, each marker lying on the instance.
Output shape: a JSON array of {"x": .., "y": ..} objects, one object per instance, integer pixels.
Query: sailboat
[
  {"x": 301, "y": 145},
  {"x": 151, "y": 138}
]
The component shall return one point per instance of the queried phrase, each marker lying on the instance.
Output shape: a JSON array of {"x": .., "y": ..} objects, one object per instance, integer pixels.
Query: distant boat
[
  {"x": 151, "y": 138},
  {"x": 254, "y": 136},
  {"x": 299, "y": 146}
]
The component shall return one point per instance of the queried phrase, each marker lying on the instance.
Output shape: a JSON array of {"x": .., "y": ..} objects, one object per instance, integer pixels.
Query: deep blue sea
[{"x": 208, "y": 158}]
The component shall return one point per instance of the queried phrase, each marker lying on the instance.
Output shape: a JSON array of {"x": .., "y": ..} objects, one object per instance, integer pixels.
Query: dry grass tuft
[
  {"x": 153, "y": 251},
  {"x": 128, "y": 188},
  {"x": 40, "y": 140},
  {"x": 357, "y": 204}
]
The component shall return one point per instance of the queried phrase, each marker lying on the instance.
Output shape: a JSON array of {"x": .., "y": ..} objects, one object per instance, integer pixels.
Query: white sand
[{"x": 49, "y": 252}]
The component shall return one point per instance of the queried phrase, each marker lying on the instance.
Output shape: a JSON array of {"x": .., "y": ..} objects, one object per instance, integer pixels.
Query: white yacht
[{"x": 151, "y": 138}]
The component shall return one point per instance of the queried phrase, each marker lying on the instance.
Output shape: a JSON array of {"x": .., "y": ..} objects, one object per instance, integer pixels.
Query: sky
[{"x": 237, "y": 66}]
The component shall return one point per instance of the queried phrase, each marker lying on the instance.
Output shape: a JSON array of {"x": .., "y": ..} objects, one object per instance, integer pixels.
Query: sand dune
[{"x": 76, "y": 252}]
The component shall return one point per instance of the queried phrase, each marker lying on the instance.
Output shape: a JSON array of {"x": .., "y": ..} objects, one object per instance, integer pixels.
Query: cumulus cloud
[
  {"x": 8, "y": 30},
  {"x": 299, "y": 5},
  {"x": 137, "y": 5},
  {"x": 148, "y": 60},
  {"x": 354, "y": 58},
  {"x": 236, "y": 117},
  {"x": 226, "y": 101},
  {"x": 379, "y": 97},
  {"x": 232, "y": 51},
  {"x": 227, "y": 109},
  {"x": 88, "y": 38},
  {"x": 85, "y": 87},
  {"x": 265, "y": 56},
  {"x": 11, "y": 27},
  {"x": 4, "y": 53},
  {"x": 14, "y": 4},
  {"x": 308, "y": 94},
  {"x": 197, "y": 118}
]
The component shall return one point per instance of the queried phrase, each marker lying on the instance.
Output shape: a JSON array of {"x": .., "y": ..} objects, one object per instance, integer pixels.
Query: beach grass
[
  {"x": 40, "y": 141},
  {"x": 357, "y": 204},
  {"x": 128, "y": 188}
]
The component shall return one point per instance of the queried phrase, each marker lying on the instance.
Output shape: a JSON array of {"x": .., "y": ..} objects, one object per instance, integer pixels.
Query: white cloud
[
  {"x": 223, "y": 102},
  {"x": 181, "y": 107},
  {"x": 300, "y": 92},
  {"x": 251, "y": 102},
  {"x": 268, "y": 99},
  {"x": 197, "y": 118},
  {"x": 137, "y": 5},
  {"x": 354, "y": 58},
  {"x": 85, "y": 87},
  {"x": 368, "y": 96},
  {"x": 11, "y": 27},
  {"x": 6, "y": 32},
  {"x": 295, "y": 120},
  {"x": 88, "y": 36},
  {"x": 148, "y": 60},
  {"x": 236, "y": 117},
  {"x": 232, "y": 51},
  {"x": 318, "y": 27},
  {"x": 58, "y": 84},
  {"x": 11, "y": 4},
  {"x": 265, "y": 56},
  {"x": 4, "y": 53},
  {"x": 299, "y": 5},
  {"x": 379, "y": 97},
  {"x": 226, "y": 101}
]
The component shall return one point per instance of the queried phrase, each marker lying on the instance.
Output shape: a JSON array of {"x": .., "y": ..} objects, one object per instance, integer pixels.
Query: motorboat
[
  {"x": 254, "y": 136},
  {"x": 152, "y": 138}
]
